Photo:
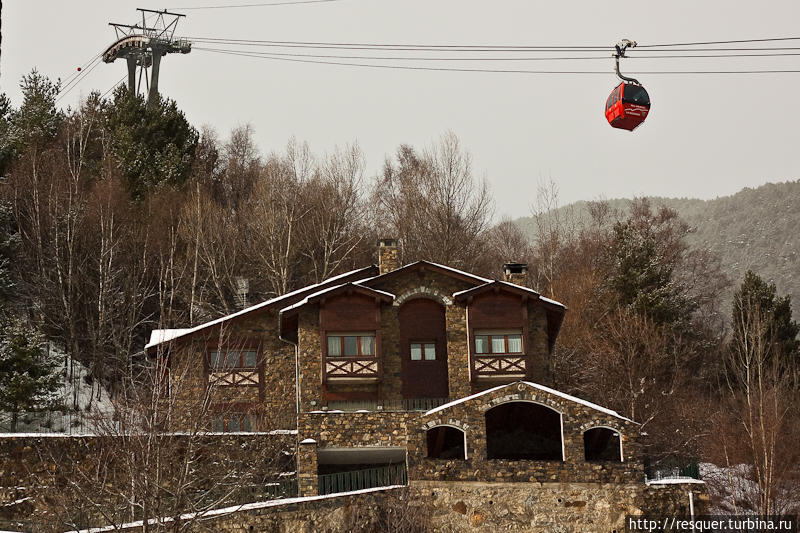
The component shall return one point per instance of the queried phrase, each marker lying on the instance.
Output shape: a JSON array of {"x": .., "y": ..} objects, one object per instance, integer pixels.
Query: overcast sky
[{"x": 706, "y": 136}]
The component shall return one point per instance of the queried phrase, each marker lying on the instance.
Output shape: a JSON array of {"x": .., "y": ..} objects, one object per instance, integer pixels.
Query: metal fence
[
  {"x": 412, "y": 404},
  {"x": 671, "y": 468},
  {"x": 367, "y": 478},
  {"x": 66, "y": 422}
]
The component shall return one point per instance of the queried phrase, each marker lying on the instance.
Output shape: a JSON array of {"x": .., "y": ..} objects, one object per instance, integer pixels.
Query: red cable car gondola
[{"x": 628, "y": 104}]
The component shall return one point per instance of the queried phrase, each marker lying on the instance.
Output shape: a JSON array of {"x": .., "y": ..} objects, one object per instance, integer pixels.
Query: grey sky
[{"x": 706, "y": 135}]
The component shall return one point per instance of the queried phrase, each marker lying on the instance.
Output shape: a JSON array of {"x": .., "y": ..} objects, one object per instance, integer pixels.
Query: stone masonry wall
[
  {"x": 345, "y": 430},
  {"x": 274, "y": 398},
  {"x": 463, "y": 506},
  {"x": 469, "y": 416}
]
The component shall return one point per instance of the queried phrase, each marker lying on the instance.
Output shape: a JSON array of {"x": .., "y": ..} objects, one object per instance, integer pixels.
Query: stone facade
[{"x": 576, "y": 418}]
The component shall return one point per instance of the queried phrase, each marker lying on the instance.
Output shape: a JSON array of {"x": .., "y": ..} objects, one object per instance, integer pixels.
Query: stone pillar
[
  {"x": 307, "y": 483},
  {"x": 516, "y": 273},
  {"x": 388, "y": 257},
  {"x": 457, "y": 351}
]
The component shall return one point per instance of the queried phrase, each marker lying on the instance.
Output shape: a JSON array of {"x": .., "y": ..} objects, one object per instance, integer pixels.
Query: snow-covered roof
[
  {"x": 187, "y": 331},
  {"x": 437, "y": 265},
  {"x": 535, "y": 386},
  {"x": 674, "y": 481},
  {"x": 317, "y": 294},
  {"x": 157, "y": 336},
  {"x": 548, "y": 300},
  {"x": 512, "y": 286}
]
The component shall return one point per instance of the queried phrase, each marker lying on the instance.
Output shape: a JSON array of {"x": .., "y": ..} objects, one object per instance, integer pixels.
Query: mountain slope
[{"x": 756, "y": 229}]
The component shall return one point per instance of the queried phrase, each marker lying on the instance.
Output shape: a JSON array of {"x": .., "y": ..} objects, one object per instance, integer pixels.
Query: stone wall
[
  {"x": 273, "y": 399},
  {"x": 549, "y": 507},
  {"x": 469, "y": 416},
  {"x": 345, "y": 430},
  {"x": 462, "y": 506}
]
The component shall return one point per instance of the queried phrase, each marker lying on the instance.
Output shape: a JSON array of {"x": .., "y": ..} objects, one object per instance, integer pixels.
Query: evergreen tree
[
  {"x": 154, "y": 144},
  {"x": 34, "y": 123},
  {"x": 755, "y": 294},
  {"x": 28, "y": 374},
  {"x": 641, "y": 258}
]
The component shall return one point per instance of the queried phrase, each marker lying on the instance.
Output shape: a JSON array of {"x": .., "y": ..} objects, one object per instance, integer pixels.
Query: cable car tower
[{"x": 142, "y": 47}]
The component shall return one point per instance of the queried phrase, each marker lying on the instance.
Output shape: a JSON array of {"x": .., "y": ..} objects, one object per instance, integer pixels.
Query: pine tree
[
  {"x": 155, "y": 144},
  {"x": 28, "y": 374},
  {"x": 756, "y": 295}
]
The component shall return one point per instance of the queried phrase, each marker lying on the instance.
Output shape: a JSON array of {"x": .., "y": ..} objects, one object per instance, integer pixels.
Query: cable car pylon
[
  {"x": 142, "y": 47},
  {"x": 628, "y": 104}
]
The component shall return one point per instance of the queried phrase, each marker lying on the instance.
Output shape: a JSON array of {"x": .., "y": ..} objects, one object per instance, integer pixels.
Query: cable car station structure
[{"x": 143, "y": 46}]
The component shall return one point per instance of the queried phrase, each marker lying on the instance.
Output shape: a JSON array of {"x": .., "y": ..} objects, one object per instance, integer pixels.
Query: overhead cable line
[
  {"x": 67, "y": 89},
  {"x": 265, "y": 55},
  {"x": 261, "y": 4},
  {"x": 721, "y": 42},
  {"x": 490, "y": 59}
]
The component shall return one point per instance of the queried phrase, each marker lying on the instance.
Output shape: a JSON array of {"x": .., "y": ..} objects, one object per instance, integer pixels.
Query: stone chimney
[
  {"x": 388, "y": 258},
  {"x": 516, "y": 273}
]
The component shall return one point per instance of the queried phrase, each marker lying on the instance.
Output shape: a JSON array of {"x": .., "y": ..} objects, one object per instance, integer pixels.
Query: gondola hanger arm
[{"x": 621, "y": 47}]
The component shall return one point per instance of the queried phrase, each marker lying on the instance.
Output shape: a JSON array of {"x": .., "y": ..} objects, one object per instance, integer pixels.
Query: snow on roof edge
[
  {"x": 536, "y": 386},
  {"x": 219, "y": 320},
  {"x": 305, "y": 300},
  {"x": 233, "y": 509}
]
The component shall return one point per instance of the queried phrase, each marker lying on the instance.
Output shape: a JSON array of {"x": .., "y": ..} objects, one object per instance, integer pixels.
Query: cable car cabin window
[{"x": 635, "y": 94}]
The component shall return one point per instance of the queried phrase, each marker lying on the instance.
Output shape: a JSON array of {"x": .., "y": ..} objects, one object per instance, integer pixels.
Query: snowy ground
[
  {"x": 84, "y": 404},
  {"x": 733, "y": 490}
]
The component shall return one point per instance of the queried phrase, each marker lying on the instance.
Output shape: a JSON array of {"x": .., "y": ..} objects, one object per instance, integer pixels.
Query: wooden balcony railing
[
  {"x": 353, "y": 368},
  {"x": 233, "y": 376},
  {"x": 486, "y": 366}
]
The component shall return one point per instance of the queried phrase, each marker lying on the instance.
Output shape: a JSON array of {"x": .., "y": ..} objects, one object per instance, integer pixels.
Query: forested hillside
[{"x": 756, "y": 229}]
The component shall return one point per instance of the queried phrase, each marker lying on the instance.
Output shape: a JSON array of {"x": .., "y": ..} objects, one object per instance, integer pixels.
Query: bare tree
[
  {"x": 433, "y": 204},
  {"x": 758, "y": 426},
  {"x": 334, "y": 227},
  {"x": 555, "y": 229}
]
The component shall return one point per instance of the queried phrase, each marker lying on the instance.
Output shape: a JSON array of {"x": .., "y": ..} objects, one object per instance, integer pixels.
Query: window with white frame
[
  {"x": 423, "y": 351},
  {"x": 498, "y": 342},
  {"x": 351, "y": 344}
]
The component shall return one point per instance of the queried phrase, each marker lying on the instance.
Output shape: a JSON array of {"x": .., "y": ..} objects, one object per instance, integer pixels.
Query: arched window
[
  {"x": 524, "y": 430},
  {"x": 445, "y": 442},
  {"x": 602, "y": 444}
]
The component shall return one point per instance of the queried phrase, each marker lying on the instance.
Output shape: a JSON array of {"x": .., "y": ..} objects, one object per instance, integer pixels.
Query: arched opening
[
  {"x": 445, "y": 442},
  {"x": 523, "y": 430},
  {"x": 602, "y": 444}
]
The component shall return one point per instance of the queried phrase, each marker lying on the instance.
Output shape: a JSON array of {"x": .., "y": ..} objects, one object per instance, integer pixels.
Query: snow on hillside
[{"x": 84, "y": 400}]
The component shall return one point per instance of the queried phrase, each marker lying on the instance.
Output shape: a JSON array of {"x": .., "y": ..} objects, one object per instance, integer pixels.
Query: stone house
[{"x": 439, "y": 373}]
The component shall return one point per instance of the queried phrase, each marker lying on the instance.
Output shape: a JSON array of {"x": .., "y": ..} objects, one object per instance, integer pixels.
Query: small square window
[
  {"x": 416, "y": 351},
  {"x": 515, "y": 344},
  {"x": 498, "y": 344},
  {"x": 367, "y": 345},
  {"x": 482, "y": 344},
  {"x": 249, "y": 359},
  {"x": 351, "y": 346},
  {"x": 430, "y": 351},
  {"x": 232, "y": 359},
  {"x": 334, "y": 346}
]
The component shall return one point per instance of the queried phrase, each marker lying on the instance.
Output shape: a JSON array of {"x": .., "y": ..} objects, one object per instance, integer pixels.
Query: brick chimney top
[
  {"x": 516, "y": 273},
  {"x": 388, "y": 256}
]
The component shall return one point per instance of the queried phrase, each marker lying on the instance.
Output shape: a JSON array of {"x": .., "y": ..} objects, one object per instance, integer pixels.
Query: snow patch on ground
[{"x": 85, "y": 403}]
